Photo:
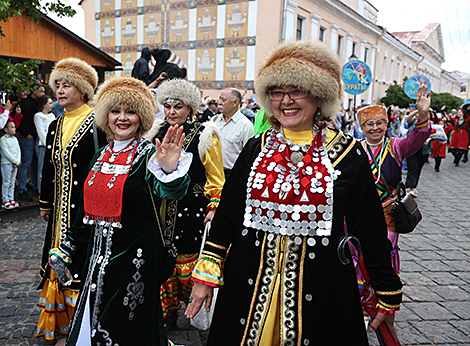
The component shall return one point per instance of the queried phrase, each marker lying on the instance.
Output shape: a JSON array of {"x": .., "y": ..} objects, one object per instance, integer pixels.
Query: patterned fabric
[
  {"x": 104, "y": 186},
  {"x": 178, "y": 286}
]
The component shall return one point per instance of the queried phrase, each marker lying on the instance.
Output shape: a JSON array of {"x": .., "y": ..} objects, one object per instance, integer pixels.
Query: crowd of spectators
[{"x": 24, "y": 118}]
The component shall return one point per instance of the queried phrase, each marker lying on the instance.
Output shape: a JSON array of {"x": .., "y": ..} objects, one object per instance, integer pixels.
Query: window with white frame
[
  {"x": 354, "y": 48},
  {"x": 322, "y": 36},
  {"x": 366, "y": 55},
  {"x": 339, "y": 47},
  {"x": 392, "y": 63},
  {"x": 300, "y": 33}
]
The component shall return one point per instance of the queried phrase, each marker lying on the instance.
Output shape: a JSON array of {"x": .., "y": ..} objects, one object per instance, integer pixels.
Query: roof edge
[{"x": 91, "y": 46}]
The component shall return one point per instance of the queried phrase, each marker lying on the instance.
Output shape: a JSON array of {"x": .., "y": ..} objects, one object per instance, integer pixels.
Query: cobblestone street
[{"x": 435, "y": 264}]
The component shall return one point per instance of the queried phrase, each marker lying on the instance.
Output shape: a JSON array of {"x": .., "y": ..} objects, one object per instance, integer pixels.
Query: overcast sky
[
  {"x": 411, "y": 15},
  {"x": 395, "y": 15}
]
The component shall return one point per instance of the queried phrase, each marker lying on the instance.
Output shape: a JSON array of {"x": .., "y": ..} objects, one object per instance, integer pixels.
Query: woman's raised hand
[
  {"x": 423, "y": 102},
  {"x": 168, "y": 152}
]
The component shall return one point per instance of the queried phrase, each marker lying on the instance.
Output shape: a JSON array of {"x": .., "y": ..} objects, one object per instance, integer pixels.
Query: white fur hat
[{"x": 179, "y": 90}]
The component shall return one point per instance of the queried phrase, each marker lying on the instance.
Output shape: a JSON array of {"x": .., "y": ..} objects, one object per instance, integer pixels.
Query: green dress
[{"x": 121, "y": 279}]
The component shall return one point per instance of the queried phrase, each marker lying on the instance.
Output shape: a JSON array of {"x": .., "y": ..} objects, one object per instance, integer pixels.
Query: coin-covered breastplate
[{"x": 290, "y": 188}]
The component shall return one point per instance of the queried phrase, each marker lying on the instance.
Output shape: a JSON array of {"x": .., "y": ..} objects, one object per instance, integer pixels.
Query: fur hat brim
[
  {"x": 308, "y": 65},
  {"x": 371, "y": 112},
  {"x": 125, "y": 91},
  {"x": 179, "y": 90},
  {"x": 76, "y": 72}
]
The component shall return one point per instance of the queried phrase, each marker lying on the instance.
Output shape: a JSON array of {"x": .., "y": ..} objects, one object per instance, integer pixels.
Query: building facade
[{"x": 223, "y": 42}]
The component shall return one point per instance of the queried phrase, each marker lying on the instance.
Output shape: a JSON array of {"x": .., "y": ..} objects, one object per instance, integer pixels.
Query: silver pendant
[{"x": 296, "y": 157}]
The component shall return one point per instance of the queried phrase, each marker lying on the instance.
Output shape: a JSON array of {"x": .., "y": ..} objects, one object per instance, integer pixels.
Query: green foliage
[
  {"x": 34, "y": 9},
  {"x": 17, "y": 76},
  {"x": 445, "y": 99},
  {"x": 395, "y": 95}
]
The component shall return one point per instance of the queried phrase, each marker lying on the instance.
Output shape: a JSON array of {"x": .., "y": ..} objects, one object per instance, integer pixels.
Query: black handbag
[{"x": 405, "y": 210}]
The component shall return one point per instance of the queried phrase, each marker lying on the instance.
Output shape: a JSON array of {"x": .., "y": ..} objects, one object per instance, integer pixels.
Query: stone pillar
[
  {"x": 373, "y": 59},
  {"x": 334, "y": 36},
  {"x": 314, "y": 19},
  {"x": 362, "y": 53},
  {"x": 291, "y": 20}
]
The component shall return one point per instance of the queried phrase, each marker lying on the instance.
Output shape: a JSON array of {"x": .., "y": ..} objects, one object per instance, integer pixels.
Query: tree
[
  {"x": 16, "y": 77},
  {"x": 395, "y": 95},
  {"x": 445, "y": 99},
  {"x": 34, "y": 9}
]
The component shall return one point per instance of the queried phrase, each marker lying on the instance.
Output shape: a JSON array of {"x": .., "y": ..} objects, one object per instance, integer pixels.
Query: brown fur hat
[
  {"x": 125, "y": 91},
  {"x": 371, "y": 112},
  {"x": 76, "y": 72},
  {"x": 309, "y": 65}
]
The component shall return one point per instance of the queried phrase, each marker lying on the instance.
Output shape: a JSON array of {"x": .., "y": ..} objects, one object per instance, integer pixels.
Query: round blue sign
[
  {"x": 356, "y": 77},
  {"x": 413, "y": 83}
]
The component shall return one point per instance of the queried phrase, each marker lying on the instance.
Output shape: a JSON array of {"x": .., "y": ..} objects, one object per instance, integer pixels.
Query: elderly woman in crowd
[
  {"x": 71, "y": 142},
  {"x": 119, "y": 224},
  {"x": 281, "y": 215},
  {"x": 389, "y": 154},
  {"x": 184, "y": 220}
]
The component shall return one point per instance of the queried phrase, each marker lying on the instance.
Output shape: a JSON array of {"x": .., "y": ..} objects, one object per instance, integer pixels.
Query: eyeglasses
[
  {"x": 277, "y": 95},
  {"x": 379, "y": 123}
]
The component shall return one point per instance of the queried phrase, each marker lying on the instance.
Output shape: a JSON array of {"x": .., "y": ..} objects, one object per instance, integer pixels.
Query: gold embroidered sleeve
[
  {"x": 215, "y": 178},
  {"x": 209, "y": 270}
]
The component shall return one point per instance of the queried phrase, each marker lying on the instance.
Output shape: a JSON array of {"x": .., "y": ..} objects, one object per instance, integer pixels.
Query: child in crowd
[{"x": 11, "y": 160}]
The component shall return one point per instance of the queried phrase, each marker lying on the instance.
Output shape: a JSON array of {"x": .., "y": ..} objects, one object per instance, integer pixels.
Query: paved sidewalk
[{"x": 435, "y": 269}]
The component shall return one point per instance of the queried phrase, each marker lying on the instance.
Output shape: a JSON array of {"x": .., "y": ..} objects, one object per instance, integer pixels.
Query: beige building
[{"x": 223, "y": 42}]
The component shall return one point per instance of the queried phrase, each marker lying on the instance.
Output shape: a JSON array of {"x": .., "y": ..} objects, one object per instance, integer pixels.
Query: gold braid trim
[
  {"x": 382, "y": 305},
  {"x": 389, "y": 293},
  {"x": 220, "y": 247},
  {"x": 339, "y": 146}
]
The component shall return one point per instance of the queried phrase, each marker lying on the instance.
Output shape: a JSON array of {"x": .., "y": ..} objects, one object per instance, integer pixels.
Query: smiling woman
[
  {"x": 273, "y": 242},
  {"x": 119, "y": 224},
  {"x": 123, "y": 122}
]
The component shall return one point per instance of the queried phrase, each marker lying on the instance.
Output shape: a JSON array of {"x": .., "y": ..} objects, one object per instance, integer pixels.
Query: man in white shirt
[{"x": 234, "y": 127}]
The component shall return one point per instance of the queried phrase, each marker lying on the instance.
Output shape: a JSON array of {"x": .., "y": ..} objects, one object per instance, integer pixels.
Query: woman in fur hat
[
  {"x": 282, "y": 215},
  {"x": 119, "y": 223},
  {"x": 71, "y": 142},
  {"x": 184, "y": 220}
]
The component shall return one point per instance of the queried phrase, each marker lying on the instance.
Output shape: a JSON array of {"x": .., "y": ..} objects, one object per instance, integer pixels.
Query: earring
[{"x": 318, "y": 114}]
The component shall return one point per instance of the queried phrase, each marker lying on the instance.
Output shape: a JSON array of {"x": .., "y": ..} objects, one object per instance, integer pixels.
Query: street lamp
[{"x": 351, "y": 58}]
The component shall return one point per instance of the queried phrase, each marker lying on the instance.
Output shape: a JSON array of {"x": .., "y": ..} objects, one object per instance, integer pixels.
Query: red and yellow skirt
[{"x": 179, "y": 285}]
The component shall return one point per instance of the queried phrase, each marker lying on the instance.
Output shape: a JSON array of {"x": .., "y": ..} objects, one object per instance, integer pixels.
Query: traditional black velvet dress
[
  {"x": 318, "y": 295},
  {"x": 123, "y": 268}
]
